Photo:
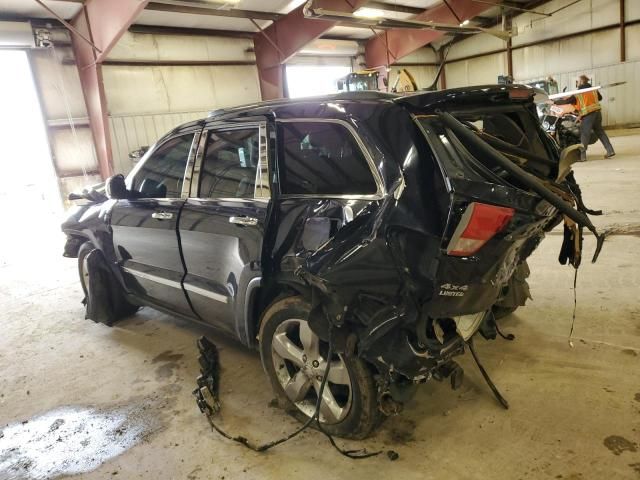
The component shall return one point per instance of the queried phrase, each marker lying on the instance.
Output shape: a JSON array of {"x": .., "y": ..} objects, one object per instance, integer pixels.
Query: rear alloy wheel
[
  {"x": 300, "y": 367},
  {"x": 295, "y": 360}
]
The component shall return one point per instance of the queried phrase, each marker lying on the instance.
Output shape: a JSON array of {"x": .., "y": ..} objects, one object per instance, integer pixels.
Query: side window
[
  {"x": 232, "y": 165},
  {"x": 322, "y": 158},
  {"x": 162, "y": 174}
]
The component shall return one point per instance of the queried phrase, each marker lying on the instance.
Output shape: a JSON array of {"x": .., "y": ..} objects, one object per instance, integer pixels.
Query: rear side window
[
  {"x": 230, "y": 164},
  {"x": 322, "y": 158},
  {"x": 162, "y": 174}
]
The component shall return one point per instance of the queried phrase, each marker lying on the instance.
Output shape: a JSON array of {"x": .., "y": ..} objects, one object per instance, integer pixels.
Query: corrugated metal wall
[
  {"x": 596, "y": 54},
  {"x": 146, "y": 101}
]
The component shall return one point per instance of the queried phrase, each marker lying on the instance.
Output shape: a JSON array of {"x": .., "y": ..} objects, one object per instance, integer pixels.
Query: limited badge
[{"x": 451, "y": 290}]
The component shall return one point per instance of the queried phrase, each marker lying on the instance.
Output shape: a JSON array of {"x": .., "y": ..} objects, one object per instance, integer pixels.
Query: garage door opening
[
  {"x": 30, "y": 204},
  {"x": 309, "y": 80}
]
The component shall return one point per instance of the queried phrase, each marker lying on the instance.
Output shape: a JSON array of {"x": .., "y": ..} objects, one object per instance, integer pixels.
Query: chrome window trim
[
  {"x": 380, "y": 190},
  {"x": 263, "y": 156},
  {"x": 188, "y": 171},
  {"x": 195, "y": 178}
]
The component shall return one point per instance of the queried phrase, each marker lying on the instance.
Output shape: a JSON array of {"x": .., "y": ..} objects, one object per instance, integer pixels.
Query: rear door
[
  {"x": 145, "y": 228},
  {"x": 222, "y": 223}
]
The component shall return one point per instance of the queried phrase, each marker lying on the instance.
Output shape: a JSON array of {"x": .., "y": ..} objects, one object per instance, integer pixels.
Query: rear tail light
[{"x": 479, "y": 223}]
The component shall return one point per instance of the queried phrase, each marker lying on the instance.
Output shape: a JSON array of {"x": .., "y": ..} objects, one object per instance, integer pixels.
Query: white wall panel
[
  {"x": 422, "y": 55},
  {"x": 73, "y": 150},
  {"x": 477, "y": 71},
  {"x": 136, "y": 46},
  {"x": 577, "y": 18},
  {"x": 633, "y": 40},
  {"x": 475, "y": 45},
  {"x": 632, "y": 10},
  {"x": 580, "y": 52},
  {"x": 148, "y": 90}
]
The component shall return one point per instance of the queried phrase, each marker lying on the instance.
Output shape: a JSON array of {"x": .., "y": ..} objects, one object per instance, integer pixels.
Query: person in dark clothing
[{"x": 590, "y": 111}]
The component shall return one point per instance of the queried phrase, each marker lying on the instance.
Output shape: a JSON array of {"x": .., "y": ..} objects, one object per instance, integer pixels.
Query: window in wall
[
  {"x": 308, "y": 80},
  {"x": 230, "y": 164},
  {"x": 322, "y": 158},
  {"x": 162, "y": 174}
]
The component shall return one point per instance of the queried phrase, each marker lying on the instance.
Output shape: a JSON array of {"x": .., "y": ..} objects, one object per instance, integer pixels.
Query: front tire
[
  {"x": 294, "y": 358},
  {"x": 104, "y": 298}
]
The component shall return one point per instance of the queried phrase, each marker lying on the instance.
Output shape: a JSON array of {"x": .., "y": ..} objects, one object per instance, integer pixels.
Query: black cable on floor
[
  {"x": 485, "y": 375},
  {"x": 575, "y": 305},
  {"x": 509, "y": 336},
  {"x": 353, "y": 454}
]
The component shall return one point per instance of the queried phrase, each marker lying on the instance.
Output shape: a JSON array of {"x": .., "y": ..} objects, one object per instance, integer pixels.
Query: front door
[
  {"x": 222, "y": 225},
  {"x": 145, "y": 227}
]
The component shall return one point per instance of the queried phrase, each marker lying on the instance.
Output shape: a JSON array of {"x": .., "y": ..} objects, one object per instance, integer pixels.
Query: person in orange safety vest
[{"x": 590, "y": 114}]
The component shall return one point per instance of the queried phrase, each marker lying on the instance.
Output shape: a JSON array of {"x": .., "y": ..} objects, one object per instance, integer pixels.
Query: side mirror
[
  {"x": 115, "y": 187},
  {"x": 136, "y": 155}
]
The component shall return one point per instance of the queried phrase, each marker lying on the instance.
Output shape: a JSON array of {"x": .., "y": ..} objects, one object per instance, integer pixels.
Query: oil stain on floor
[
  {"x": 618, "y": 444},
  {"x": 72, "y": 440}
]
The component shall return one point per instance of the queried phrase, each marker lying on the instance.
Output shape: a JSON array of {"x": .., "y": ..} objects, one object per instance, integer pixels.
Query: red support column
[
  {"x": 285, "y": 37},
  {"x": 402, "y": 42},
  {"x": 103, "y": 22}
]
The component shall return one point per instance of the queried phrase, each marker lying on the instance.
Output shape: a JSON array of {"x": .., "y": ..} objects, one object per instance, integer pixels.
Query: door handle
[
  {"x": 162, "y": 215},
  {"x": 249, "y": 221}
]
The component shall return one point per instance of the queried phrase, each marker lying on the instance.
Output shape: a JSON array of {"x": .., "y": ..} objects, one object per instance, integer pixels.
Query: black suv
[{"x": 389, "y": 226}]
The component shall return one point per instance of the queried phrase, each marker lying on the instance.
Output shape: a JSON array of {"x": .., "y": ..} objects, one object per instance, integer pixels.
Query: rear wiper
[{"x": 522, "y": 176}]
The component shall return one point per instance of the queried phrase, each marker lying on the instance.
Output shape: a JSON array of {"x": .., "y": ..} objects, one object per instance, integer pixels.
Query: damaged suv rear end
[{"x": 400, "y": 277}]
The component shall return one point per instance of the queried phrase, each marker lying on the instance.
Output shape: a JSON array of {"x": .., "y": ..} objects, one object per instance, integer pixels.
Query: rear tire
[{"x": 293, "y": 358}]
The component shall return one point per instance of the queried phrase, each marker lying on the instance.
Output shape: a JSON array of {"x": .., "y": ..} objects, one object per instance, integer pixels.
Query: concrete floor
[{"x": 79, "y": 397}]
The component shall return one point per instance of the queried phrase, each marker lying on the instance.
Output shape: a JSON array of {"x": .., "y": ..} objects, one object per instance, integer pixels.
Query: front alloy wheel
[{"x": 295, "y": 360}]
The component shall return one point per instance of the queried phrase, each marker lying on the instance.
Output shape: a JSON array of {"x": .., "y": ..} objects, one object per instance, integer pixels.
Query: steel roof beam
[
  {"x": 401, "y": 42},
  {"x": 281, "y": 40},
  {"x": 176, "y": 6}
]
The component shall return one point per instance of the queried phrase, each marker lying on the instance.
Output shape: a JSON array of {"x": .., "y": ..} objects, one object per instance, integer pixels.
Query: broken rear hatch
[{"x": 494, "y": 222}]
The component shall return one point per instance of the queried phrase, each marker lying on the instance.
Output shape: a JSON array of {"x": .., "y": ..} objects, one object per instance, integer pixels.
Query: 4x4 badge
[{"x": 451, "y": 290}]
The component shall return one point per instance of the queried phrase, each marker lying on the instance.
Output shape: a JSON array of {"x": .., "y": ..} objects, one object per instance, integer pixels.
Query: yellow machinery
[{"x": 368, "y": 80}]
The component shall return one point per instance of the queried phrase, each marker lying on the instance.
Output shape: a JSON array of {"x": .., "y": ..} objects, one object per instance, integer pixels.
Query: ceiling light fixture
[{"x": 367, "y": 12}]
